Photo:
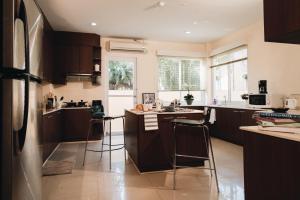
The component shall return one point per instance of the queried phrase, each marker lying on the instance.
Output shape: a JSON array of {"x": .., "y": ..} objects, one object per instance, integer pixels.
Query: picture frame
[{"x": 148, "y": 98}]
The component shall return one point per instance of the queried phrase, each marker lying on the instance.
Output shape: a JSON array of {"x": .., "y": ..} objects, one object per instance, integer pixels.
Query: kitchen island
[
  {"x": 153, "y": 150},
  {"x": 271, "y": 164}
]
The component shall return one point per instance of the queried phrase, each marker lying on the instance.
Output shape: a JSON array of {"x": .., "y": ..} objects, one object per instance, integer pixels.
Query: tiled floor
[{"x": 94, "y": 181}]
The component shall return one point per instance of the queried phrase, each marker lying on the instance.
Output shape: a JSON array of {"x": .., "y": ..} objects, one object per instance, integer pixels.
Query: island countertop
[
  {"x": 288, "y": 136},
  {"x": 182, "y": 111},
  {"x": 63, "y": 108},
  {"x": 152, "y": 150}
]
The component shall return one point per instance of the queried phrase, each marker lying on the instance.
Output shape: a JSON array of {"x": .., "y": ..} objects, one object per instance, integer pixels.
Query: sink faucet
[{"x": 225, "y": 101}]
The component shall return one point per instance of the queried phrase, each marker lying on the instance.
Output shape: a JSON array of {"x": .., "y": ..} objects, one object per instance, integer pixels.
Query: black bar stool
[
  {"x": 102, "y": 121},
  {"x": 204, "y": 132}
]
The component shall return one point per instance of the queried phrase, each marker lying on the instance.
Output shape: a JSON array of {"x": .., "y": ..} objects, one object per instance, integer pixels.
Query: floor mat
[{"x": 52, "y": 168}]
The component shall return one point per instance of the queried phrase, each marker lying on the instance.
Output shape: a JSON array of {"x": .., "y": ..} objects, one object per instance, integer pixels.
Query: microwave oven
[{"x": 265, "y": 100}]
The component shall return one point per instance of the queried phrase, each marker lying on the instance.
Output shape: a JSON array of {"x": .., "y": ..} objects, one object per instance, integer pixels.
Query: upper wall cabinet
[
  {"x": 282, "y": 21},
  {"x": 76, "y": 52},
  {"x": 47, "y": 53}
]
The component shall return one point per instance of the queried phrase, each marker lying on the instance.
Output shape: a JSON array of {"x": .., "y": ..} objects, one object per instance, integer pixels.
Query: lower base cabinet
[
  {"x": 76, "y": 125},
  {"x": 52, "y": 132},
  {"x": 271, "y": 167},
  {"x": 66, "y": 125},
  {"x": 228, "y": 121}
]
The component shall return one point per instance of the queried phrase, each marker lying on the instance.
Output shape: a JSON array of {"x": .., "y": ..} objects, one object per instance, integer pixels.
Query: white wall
[
  {"x": 275, "y": 62},
  {"x": 147, "y": 71}
]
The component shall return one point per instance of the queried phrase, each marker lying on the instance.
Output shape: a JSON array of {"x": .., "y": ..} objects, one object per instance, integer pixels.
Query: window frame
[
  {"x": 229, "y": 72},
  {"x": 180, "y": 72},
  {"x": 181, "y": 92}
]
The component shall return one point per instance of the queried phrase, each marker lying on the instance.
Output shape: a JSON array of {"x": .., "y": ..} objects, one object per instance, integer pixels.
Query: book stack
[{"x": 279, "y": 122}]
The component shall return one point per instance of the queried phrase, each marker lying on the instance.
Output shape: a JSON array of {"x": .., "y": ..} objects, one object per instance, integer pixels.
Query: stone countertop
[
  {"x": 183, "y": 111},
  {"x": 63, "y": 108},
  {"x": 232, "y": 106},
  {"x": 288, "y": 136}
]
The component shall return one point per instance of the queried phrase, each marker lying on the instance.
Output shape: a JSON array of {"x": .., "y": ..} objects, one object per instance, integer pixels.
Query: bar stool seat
[
  {"x": 188, "y": 122},
  {"x": 204, "y": 132},
  {"x": 102, "y": 121}
]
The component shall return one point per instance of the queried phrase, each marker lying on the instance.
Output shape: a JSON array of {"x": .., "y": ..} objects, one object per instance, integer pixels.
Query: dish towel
[
  {"x": 212, "y": 117},
  {"x": 150, "y": 122}
]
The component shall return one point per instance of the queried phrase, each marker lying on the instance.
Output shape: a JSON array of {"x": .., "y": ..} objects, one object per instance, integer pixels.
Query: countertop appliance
[
  {"x": 265, "y": 101},
  {"x": 20, "y": 100},
  {"x": 262, "y": 87},
  {"x": 291, "y": 103}
]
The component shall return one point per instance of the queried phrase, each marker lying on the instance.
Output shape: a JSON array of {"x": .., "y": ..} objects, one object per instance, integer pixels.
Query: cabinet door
[
  {"x": 48, "y": 56},
  {"x": 71, "y": 59},
  {"x": 76, "y": 125},
  {"x": 86, "y": 59},
  {"x": 57, "y": 134},
  {"x": 282, "y": 21},
  {"x": 48, "y": 130},
  {"x": 60, "y": 65},
  {"x": 236, "y": 122}
]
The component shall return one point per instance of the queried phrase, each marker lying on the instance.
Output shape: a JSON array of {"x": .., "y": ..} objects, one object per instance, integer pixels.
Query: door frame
[{"x": 106, "y": 90}]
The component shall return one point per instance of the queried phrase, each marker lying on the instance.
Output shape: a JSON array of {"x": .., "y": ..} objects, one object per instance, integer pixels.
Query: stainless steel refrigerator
[{"x": 20, "y": 100}]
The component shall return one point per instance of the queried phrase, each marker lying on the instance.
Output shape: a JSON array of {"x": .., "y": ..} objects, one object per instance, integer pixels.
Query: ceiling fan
[{"x": 158, "y": 4}]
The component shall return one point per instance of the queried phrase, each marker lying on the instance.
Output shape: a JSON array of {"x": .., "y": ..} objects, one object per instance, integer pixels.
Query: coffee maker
[{"x": 262, "y": 87}]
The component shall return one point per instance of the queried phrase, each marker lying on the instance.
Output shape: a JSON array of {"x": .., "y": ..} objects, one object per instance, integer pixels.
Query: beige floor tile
[{"x": 94, "y": 180}]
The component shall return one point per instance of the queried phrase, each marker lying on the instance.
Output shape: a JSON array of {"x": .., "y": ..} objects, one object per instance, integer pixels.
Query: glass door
[{"x": 121, "y": 88}]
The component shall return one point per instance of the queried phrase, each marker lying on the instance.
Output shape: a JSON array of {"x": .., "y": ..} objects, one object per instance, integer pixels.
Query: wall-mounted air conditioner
[{"x": 127, "y": 46}]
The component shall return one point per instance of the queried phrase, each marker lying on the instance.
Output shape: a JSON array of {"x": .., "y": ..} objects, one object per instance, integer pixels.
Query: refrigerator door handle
[
  {"x": 22, "y": 15},
  {"x": 20, "y": 135}
]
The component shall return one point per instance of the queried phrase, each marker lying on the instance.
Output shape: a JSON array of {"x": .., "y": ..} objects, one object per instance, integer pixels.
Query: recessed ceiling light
[
  {"x": 161, "y": 3},
  {"x": 93, "y": 24},
  {"x": 195, "y": 22},
  {"x": 187, "y": 32}
]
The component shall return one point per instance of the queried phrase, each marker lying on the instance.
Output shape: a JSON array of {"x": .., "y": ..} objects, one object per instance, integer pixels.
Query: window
[
  {"x": 178, "y": 75},
  {"x": 229, "y": 75}
]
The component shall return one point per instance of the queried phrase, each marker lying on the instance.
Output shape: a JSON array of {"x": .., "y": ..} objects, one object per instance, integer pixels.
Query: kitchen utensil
[
  {"x": 70, "y": 104},
  {"x": 82, "y": 103}
]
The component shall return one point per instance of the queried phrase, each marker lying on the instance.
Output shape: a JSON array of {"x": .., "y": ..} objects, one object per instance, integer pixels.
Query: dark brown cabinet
[
  {"x": 60, "y": 63},
  {"x": 68, "y": 53},
  {"x": 71, "y": 59},
  {"x": 271, "y": 167},
  {"x": 282, "y": 21},
  {"x": 153, "y": 150},
  {"x": 86, "y": 60},
  {"x": 77, "y": 52},
  {"x": 67, "y": 125},
  {"x": 48, "y": 53},
  {"x": 228, "y": 121},
  {"x": 52, "y": 132},
  {"x": 76, "y": 125}
]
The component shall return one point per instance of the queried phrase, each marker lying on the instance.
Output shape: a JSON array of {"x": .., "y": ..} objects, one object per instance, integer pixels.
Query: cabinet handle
[
  {"x": 168, "y": 118},
  {"x": 242, "y": 111},
  {"x": 181, "y": 117},
  {"x": 49, "y": 117}
]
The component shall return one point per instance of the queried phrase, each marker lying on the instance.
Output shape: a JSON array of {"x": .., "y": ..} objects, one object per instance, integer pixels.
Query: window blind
[
  {"x": 178, "y": 74},
  {"x": 229, "y": 57}
]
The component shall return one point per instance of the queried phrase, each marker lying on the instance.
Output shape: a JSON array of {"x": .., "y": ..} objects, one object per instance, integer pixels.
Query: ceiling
[{"x": 206, "y": 20}]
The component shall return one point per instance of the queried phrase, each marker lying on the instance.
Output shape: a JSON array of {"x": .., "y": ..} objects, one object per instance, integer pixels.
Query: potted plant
[{"x": 189, "y": 98}]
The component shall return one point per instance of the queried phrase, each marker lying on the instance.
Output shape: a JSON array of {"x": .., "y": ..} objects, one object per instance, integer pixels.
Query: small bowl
[{"x": 280, "y": 110}]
